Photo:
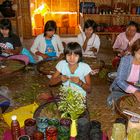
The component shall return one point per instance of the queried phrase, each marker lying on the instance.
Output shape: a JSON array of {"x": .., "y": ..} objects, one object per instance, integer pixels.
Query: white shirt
[
  {"x": 94, "y": 41},
  {"x": 40, "y": 45}
]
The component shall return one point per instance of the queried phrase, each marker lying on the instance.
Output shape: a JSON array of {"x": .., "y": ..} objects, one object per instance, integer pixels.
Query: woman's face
[
  {"x": 72, "y": 59},
  {"x": 137, "y": 55},
  {"x": 5, "y": 32},
  {"x": 88, "y": 31},
  {"x": 49, "y": 34},
  {"x": 131, "y": 30}
]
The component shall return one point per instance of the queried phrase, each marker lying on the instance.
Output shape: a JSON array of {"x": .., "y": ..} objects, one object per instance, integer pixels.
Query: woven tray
[
  {"x": 9, "y": 66},
  {"x": 128, "y": 102},
  {"x": 47, "y": 67}
]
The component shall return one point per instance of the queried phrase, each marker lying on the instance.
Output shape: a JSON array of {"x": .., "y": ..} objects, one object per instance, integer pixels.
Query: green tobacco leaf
[{"x": 72, "y": 102}]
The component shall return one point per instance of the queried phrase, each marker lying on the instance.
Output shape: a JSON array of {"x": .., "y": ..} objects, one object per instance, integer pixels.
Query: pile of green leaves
[{"x": 72, "y": 102}]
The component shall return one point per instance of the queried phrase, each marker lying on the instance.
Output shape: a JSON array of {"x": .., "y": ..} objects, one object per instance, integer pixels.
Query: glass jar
[
  {"x": 118, "y": 131},
  {"x": 54, "y": 122},
  {"x": 30, "y": 127},
  {"x": 63, "y": 133},
  {"x": 134, "y": 134},
  {"x": 42, "y": 124},
  {"x": 51, "y": 133},
  {"x": 38, "y": 135},
  {"x": 65, "y": 122}
]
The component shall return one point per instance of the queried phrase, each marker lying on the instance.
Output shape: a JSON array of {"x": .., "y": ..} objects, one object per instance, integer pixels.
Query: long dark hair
[
  {"x": 6, "y": 24},
  {"x": 73, "y": 47},
  {"x": 133, "y": 23},
  {"x": 135, "y": 47},
  {"x": 90, "y": 23},
  {"x": 50, "y": 26}
]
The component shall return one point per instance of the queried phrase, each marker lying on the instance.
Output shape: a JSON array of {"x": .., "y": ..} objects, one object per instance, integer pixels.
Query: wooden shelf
[
  {"x": 106, "y": 33},
  {"x": 112, "y": 15},
  {"x": 135, "y": 15},
  {"x": 110, "y": 19},
  {"x": 112, "y": 35},
  {"x": 68, "y": 35}
]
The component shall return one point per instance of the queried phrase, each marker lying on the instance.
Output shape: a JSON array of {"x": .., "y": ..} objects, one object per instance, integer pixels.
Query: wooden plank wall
[
  {"x": 26, "y": 19},
  {"x": 54, "y": 5}
]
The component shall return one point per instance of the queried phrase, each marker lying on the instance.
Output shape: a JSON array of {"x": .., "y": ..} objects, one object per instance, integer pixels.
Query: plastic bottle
[{"x": 15, "y": 128}]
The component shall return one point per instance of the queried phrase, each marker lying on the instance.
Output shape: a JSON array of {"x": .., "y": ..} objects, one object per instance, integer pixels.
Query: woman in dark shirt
[{"x": 10, "y": 44}]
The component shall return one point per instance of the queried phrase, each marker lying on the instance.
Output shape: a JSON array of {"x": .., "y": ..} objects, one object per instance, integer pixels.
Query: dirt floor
[{"x": 27, "y": 84}]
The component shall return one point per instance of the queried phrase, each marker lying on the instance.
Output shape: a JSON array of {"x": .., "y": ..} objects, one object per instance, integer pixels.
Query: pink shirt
[
  {"x": 133, "y": 77},
  {"x": 122, "y": 41}
]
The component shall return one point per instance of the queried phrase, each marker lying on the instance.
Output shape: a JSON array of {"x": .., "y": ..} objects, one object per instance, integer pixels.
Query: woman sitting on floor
[
  {"x": 10, "y": 45},
  {"x": 127, "y": 75},
  {"x": 72, "y": 71},
  {"x": 47, "y": 46},
  {"x": 89, "y": 41},
  {"x": 124, "y": 41}
]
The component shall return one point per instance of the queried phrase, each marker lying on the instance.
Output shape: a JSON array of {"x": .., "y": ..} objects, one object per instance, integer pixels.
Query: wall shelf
[{"x": 115, "y": 18}]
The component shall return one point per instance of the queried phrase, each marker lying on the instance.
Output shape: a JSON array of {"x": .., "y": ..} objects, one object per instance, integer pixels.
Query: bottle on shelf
[{"x": 15, "y": 128}]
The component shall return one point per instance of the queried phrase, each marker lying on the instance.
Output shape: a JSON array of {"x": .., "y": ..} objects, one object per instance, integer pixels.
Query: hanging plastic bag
[{"x": 5, "y": 92}]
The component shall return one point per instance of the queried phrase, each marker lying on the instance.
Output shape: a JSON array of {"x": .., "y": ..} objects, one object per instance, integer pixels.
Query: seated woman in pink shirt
[
  {"x": 125, "y": 40},
  {"x": 128, "y": 74}
]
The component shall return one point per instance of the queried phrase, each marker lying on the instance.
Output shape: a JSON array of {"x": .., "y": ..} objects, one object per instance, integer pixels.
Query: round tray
[
  {"x": 9, "y": 66},
  {"x": 53, "y": 112},
  {"x": 94, "y": 63},
  {"x": 47, "y": 67},
  {"x": 52, "y": 109},
  {"x": 127, "y": 102}
]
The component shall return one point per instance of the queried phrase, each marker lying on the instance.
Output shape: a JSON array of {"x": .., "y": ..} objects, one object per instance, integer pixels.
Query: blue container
[
  {"x": 138, "y": 10},
  {"x": 42, "y": 124},
  {"x": 86, "y": 7}
]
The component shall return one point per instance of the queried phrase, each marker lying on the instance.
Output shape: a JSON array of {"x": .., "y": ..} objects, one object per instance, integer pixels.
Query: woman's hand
[
  {"x": 45, "y": 56},
  {"x": 9, "y": 51},
  {"x": 64, "y": 78},
  {"x": 95, "y": 71},
  {"x": 75, "y": 80},
  {"x": 137, "y": 95},
  {"x": 122, "y": 53},
  {"x": 93, "y": 49}
]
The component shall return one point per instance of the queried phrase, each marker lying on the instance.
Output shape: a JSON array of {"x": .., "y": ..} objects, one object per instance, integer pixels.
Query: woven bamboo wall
[{"x": 26, "y": 19}]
